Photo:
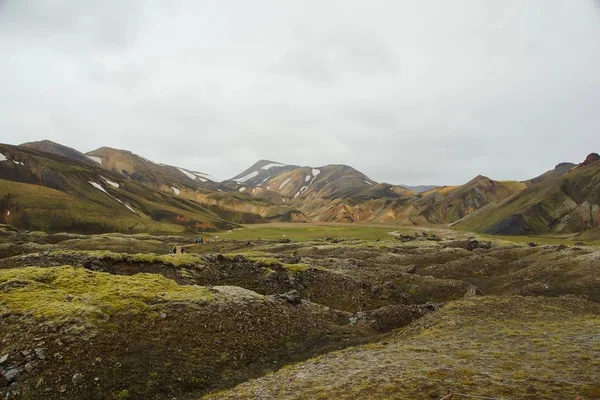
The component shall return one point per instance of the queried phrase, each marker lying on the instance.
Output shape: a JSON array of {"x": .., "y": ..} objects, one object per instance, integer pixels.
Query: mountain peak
[
  {"x": 48, "y": 146},
  {"x": 592, "y": 157}
]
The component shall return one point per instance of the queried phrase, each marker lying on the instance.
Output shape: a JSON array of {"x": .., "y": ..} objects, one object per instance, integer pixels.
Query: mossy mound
[
  {"x": 512, "y": 347},
  {"x": 104, "y": 334}
]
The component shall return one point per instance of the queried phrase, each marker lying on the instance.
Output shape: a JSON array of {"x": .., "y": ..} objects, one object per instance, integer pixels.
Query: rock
[
  {"x": 39, "y": 352},
  {"x": 353, "y": 319},
  {"x": 3, "y": 360},
  {"x": 472, "y": 292},
  {"x": 532, "y": 244},
  {"x": 292, "y": 297},
  {"x": 11, "y": 374},
  {"x": 77, "y": 378},
  {"x": 412, "y": 269},
  {"x": 29, "y": 366},
  {"x": 163, "y": 315},
  {"x": 239, "y": 258},
  {"x": 25, "y": 353}
]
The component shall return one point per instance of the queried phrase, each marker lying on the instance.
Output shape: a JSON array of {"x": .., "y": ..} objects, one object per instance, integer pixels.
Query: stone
[
  {"x": 11, "y": 374},
  {"x": 3, "y": 359},
  {"x": 292, "y": 297},
  {"x": 77, "y": 378},
  {"x": 39, "y": 352},
  {"x": 163, "y": 315},
  {"x": 472, "y": 292}
]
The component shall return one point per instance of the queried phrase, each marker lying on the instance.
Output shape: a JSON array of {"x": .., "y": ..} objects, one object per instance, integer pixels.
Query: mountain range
[{"x": 51, "y": 187}]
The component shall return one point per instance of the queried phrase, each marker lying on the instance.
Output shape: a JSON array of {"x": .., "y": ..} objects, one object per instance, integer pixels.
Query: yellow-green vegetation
[
  {"x": 175, "y": 260},
  {"x": 500, "y": 347},
  {"x": 256, "y": 256},
  {"x": 62, "y": 293},
  {"x": 298, "y": 231},
  {"x": 52, "y": 210},
  {"x": 569, "y": 240},
  {"x": 295, "y": 267}
]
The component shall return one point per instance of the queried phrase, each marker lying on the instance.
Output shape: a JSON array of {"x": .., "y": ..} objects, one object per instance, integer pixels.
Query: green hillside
[{"x": 561, "y": 204}]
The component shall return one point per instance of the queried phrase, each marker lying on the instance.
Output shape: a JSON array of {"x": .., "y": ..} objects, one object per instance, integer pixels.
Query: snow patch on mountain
[
  {"x": 96, "y": 159},
  {"x": 308, "y": 178},
  {"x": 284, "y": 183},
  {"x": 242, "y": 189},
  {"x": 175, "y": 190},
  {"x": 206, "y": 176},
  {"x": 187, "y": 173},
  {"x": 247, "y": 177},
  {"x": 316, "y": 172},
  {"x": 19, "y": 163},
  {"x": 3, "y": 157},
  {"x": 368, "y": 183},
  {"x": 111, "y": 183},
  {"x": 99, "y": 187},
  {"x": 271, "y": 165},
  {"x": 302, "y": 189}
]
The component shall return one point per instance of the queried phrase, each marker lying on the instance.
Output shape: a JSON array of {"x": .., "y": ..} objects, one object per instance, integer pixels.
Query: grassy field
[
  {"x": 297, "y": 231},
  {"x": 301, "y": 231}
]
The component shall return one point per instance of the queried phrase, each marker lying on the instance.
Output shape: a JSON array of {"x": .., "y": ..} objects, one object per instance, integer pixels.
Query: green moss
[
  {"x": 175, "y": 260},
  {"x": 256, "y": 256},
  {"x": 295, "y": 267},
  {"x": 66, "y": 292}
]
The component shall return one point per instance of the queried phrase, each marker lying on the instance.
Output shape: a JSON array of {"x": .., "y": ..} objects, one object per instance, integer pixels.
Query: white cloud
[{"x": 407, "y": 92}]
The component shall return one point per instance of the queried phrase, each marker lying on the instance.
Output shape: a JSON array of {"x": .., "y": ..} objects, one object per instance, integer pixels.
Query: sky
[{"x": 408, "y": 92}]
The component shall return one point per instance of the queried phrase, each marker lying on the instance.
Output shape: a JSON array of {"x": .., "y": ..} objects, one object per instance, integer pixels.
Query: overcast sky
[{"x": 414, "y": 92}]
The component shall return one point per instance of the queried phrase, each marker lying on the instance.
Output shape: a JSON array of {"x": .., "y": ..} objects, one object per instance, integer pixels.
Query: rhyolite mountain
[
  {"x": 48, "y": 186},
  {"x": 567, "y": 202},
  {"x": 420, "y": 188}
]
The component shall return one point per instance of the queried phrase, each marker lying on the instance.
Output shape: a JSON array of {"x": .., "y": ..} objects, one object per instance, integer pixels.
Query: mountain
[
  {"x": 47, "y": 191},
  {"x": 260, "y": 172},
  {"x": 332, "y": 193},
  {"x": 48, "y": 186},
  {"x": 440, "y": 207},
  {"x": 559, "y": 170},
  {"x": 139, "y": 169},
  {"x": 420, "y": 188},
  {"x": 565, "y": 203},
  {"x": 51, "y": 147}
]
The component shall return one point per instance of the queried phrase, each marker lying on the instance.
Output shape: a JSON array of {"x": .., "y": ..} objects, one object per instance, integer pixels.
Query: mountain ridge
[{"x": 272, "y": 191}]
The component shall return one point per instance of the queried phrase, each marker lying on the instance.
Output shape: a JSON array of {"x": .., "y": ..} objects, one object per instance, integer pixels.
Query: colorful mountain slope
[
  {"x": 566, "y": 203},
  {"x": 452, "y": 205},
  {"x": 50, "y": 192}
]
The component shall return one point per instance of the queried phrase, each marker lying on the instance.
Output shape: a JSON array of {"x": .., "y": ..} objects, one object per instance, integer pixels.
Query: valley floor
[{"x": 298, "y": 311}]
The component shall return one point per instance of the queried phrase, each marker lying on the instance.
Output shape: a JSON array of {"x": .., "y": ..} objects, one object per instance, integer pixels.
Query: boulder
[{"x": 292, "y": 297}]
